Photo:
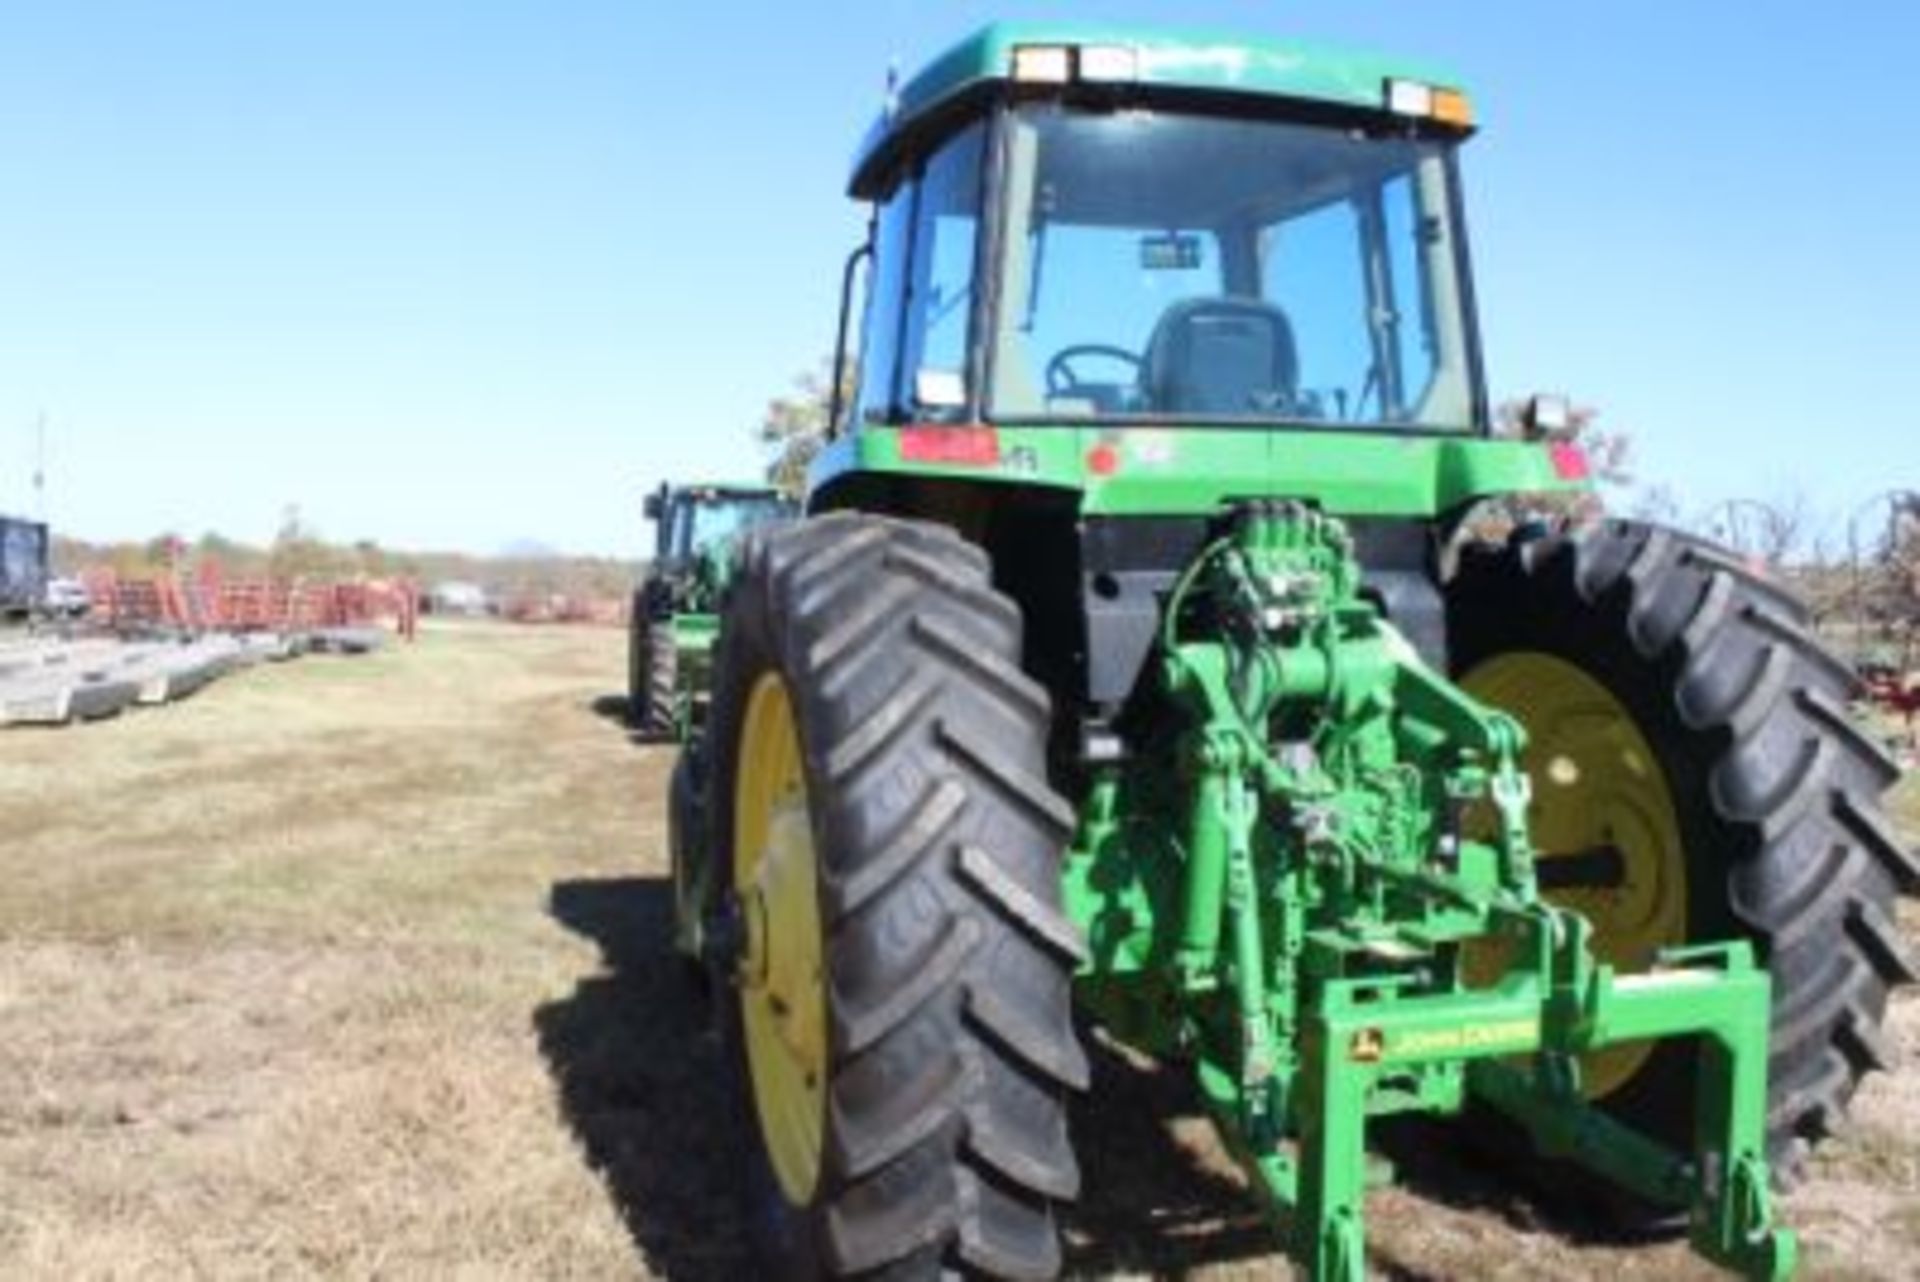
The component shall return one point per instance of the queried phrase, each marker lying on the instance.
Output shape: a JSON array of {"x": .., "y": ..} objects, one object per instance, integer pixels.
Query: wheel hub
[
  {"x": 1603, "y": 821},
  {"x": 781, "y": 964}
]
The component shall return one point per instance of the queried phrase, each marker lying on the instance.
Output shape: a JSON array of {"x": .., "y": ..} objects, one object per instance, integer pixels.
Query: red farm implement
[{"x": 213, "y": 603}]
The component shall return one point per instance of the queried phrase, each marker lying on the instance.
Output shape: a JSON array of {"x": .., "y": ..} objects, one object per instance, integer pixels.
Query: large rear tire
[
  {"x": 1774, "y": 793},
  {"x": 875, "y": 738}
]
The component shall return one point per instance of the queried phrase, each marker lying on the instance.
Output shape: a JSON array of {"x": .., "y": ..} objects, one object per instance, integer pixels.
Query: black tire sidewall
[
  {"x": 661, "y": 661},
  {"x": 949, "y": 957},
  {"x": 637, "y": 629},
  {"x": 783, "y": 1235}
]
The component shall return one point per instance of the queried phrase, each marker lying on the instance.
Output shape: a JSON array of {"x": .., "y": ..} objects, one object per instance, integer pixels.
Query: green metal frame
[
  {"x": 1150, "y": 471},
  {"x": 694, "y": 636},
  {"x": 1352, "y": 823}
]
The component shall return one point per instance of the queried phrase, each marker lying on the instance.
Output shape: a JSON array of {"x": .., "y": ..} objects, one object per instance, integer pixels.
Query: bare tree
[
  {"x": 298, "y": 551},
  {"x": 1660, "y": 505},
  {"x": 795, "y": 427},
  {"x": 1772, "y": 533}
]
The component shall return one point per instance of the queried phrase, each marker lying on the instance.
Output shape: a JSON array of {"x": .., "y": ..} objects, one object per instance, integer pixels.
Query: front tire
[
  {"x": 869, "y": 677},
  {"x": 1775, "y": 793},
  {"x": 683, "y": 845}
]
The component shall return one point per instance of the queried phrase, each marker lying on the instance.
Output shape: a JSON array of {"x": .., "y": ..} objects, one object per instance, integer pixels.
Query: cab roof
[
  {"x": 726, "y": 489},
  {"x": 1175, "y": 58}
]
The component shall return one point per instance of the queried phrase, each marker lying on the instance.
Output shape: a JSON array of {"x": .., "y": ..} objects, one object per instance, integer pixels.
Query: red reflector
[
  {"x": 969, "y": 446},
  {"x": 1103, "y": 460},
  {"x": 1569, "y": 461}
]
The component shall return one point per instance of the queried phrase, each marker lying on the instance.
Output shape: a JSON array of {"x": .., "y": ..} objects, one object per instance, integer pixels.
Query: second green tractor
[
  {"x": 674, "y": 615},
  {"x": 1143, "y": 671}
]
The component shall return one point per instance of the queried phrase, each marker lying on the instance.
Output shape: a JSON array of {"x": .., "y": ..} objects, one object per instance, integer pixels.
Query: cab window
[{"x": 919, "y": 312}]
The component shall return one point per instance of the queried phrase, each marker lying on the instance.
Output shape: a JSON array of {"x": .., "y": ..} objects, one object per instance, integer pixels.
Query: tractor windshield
[
  {"x": 706, "y": 522},
  {"x": 714, "y": 522},
  {"x": 1188, "y": 266}
]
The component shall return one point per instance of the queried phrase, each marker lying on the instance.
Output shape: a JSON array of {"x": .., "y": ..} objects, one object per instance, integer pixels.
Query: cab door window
[
  {"x": 939, "y": 301},
  {"x": 886, "y": 288},
  {"x": 915, "y": 344}
]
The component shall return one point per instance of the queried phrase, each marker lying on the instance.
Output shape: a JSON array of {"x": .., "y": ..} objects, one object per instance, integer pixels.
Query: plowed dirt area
[{"x": 359, "y": 968}]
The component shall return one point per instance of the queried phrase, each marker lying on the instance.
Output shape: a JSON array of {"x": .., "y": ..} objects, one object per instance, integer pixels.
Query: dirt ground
[{"x": 357, "y": 967}]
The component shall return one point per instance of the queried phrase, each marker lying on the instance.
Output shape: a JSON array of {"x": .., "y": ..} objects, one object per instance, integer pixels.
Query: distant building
[{"x": 458, "y": 597}]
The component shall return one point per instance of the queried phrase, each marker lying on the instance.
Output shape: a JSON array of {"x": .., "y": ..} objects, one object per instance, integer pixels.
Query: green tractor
[
  {"x": 673, "y": 620},
  {"x": 1138, "y": 669}
]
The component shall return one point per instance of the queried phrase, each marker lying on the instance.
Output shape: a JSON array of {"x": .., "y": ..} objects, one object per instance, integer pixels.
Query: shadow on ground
[
  {"x": 1153, "y": 1205},
  {"x": 614, "y": 708},
  {"x": 638, "y": 1076},
  {"x": 1148, "y": 1204},
  {"x": 640, "y": 1080}
]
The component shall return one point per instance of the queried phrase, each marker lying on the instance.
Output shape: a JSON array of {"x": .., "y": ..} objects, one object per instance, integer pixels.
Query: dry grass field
[{"x": 356, "y": 968}]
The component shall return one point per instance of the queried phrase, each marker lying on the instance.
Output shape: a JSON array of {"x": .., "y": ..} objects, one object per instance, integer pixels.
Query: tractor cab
[
  {"x": 692, "y": 517},
  {"x": 1076, "y": 229}
]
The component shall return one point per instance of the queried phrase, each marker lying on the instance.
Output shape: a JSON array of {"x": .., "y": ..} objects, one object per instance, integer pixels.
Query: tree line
[{"x": 299, "y": 551}]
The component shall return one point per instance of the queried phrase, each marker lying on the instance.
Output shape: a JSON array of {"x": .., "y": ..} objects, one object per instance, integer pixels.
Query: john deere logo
[
  {"x": 1467, "y": 1039},
  {"x": 1366, "y": 1046}
]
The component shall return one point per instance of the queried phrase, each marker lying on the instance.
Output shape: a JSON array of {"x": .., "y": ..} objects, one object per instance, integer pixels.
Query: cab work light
[
  {"x": 1409, "y": 98},
  {"x": 1043, "y": 64},
  {"x": 1450, "y": 107},
  {"x": 1108, "y": 64},
  {"x": 1063, "y": 64}
]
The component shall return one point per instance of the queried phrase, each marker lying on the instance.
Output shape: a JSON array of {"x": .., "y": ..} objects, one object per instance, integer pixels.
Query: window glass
[
  {"x": 714, "y": 522},
  {"x": 940, "y": 295},
  {"x": 1312, "y": 270},
  {"x": 682, "y": 529},
  {"x": 1410, "y": 234},
  {"x": 1213, "y": 267},
  {"x": 886, "y": 287},
  {"x": 1094, "y": 295}
]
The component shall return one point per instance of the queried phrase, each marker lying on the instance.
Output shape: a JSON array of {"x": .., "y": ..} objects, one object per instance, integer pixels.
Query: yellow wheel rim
[
  {"x": 1597, "y": 787},
  {"x": 783, "y": 1008}
]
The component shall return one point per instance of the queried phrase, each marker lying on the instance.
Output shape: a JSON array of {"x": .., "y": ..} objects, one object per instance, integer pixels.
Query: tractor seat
[{"x": 1220, "y": 356}]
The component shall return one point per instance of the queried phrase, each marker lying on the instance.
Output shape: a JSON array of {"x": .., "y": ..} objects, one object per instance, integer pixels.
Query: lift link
[{"x": 1328, "y": 767}]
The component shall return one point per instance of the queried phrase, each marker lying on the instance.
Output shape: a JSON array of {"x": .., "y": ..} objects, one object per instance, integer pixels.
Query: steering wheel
[{"x": 1062, "y": 381}]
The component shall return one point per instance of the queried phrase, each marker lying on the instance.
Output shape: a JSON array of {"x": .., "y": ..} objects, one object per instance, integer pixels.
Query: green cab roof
[{"x": 1169, "y": 58}]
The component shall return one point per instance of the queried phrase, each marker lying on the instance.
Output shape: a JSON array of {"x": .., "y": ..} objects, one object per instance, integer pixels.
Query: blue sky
[{"x": 455, "y": 274}]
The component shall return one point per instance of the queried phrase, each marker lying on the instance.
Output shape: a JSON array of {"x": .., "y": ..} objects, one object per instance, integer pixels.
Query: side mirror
[
  {"x": 656, "y": 505},
  {"x": 1546, "y": 416},
  {"x": 836, "y": 393}
]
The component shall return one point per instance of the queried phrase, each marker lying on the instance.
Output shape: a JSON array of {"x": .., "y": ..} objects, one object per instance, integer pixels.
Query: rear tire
[
  {"x": 636, "y": 663},
  {"x": 948, "y": 962},
  {"x": 1777, "y": 793},
  {"x": 660, "y": 705}
]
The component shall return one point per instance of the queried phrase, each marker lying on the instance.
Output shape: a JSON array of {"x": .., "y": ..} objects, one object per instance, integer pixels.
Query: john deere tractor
[
  {"x": 1140, "y": 670},
  {"x": 670, "y": 636}
]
